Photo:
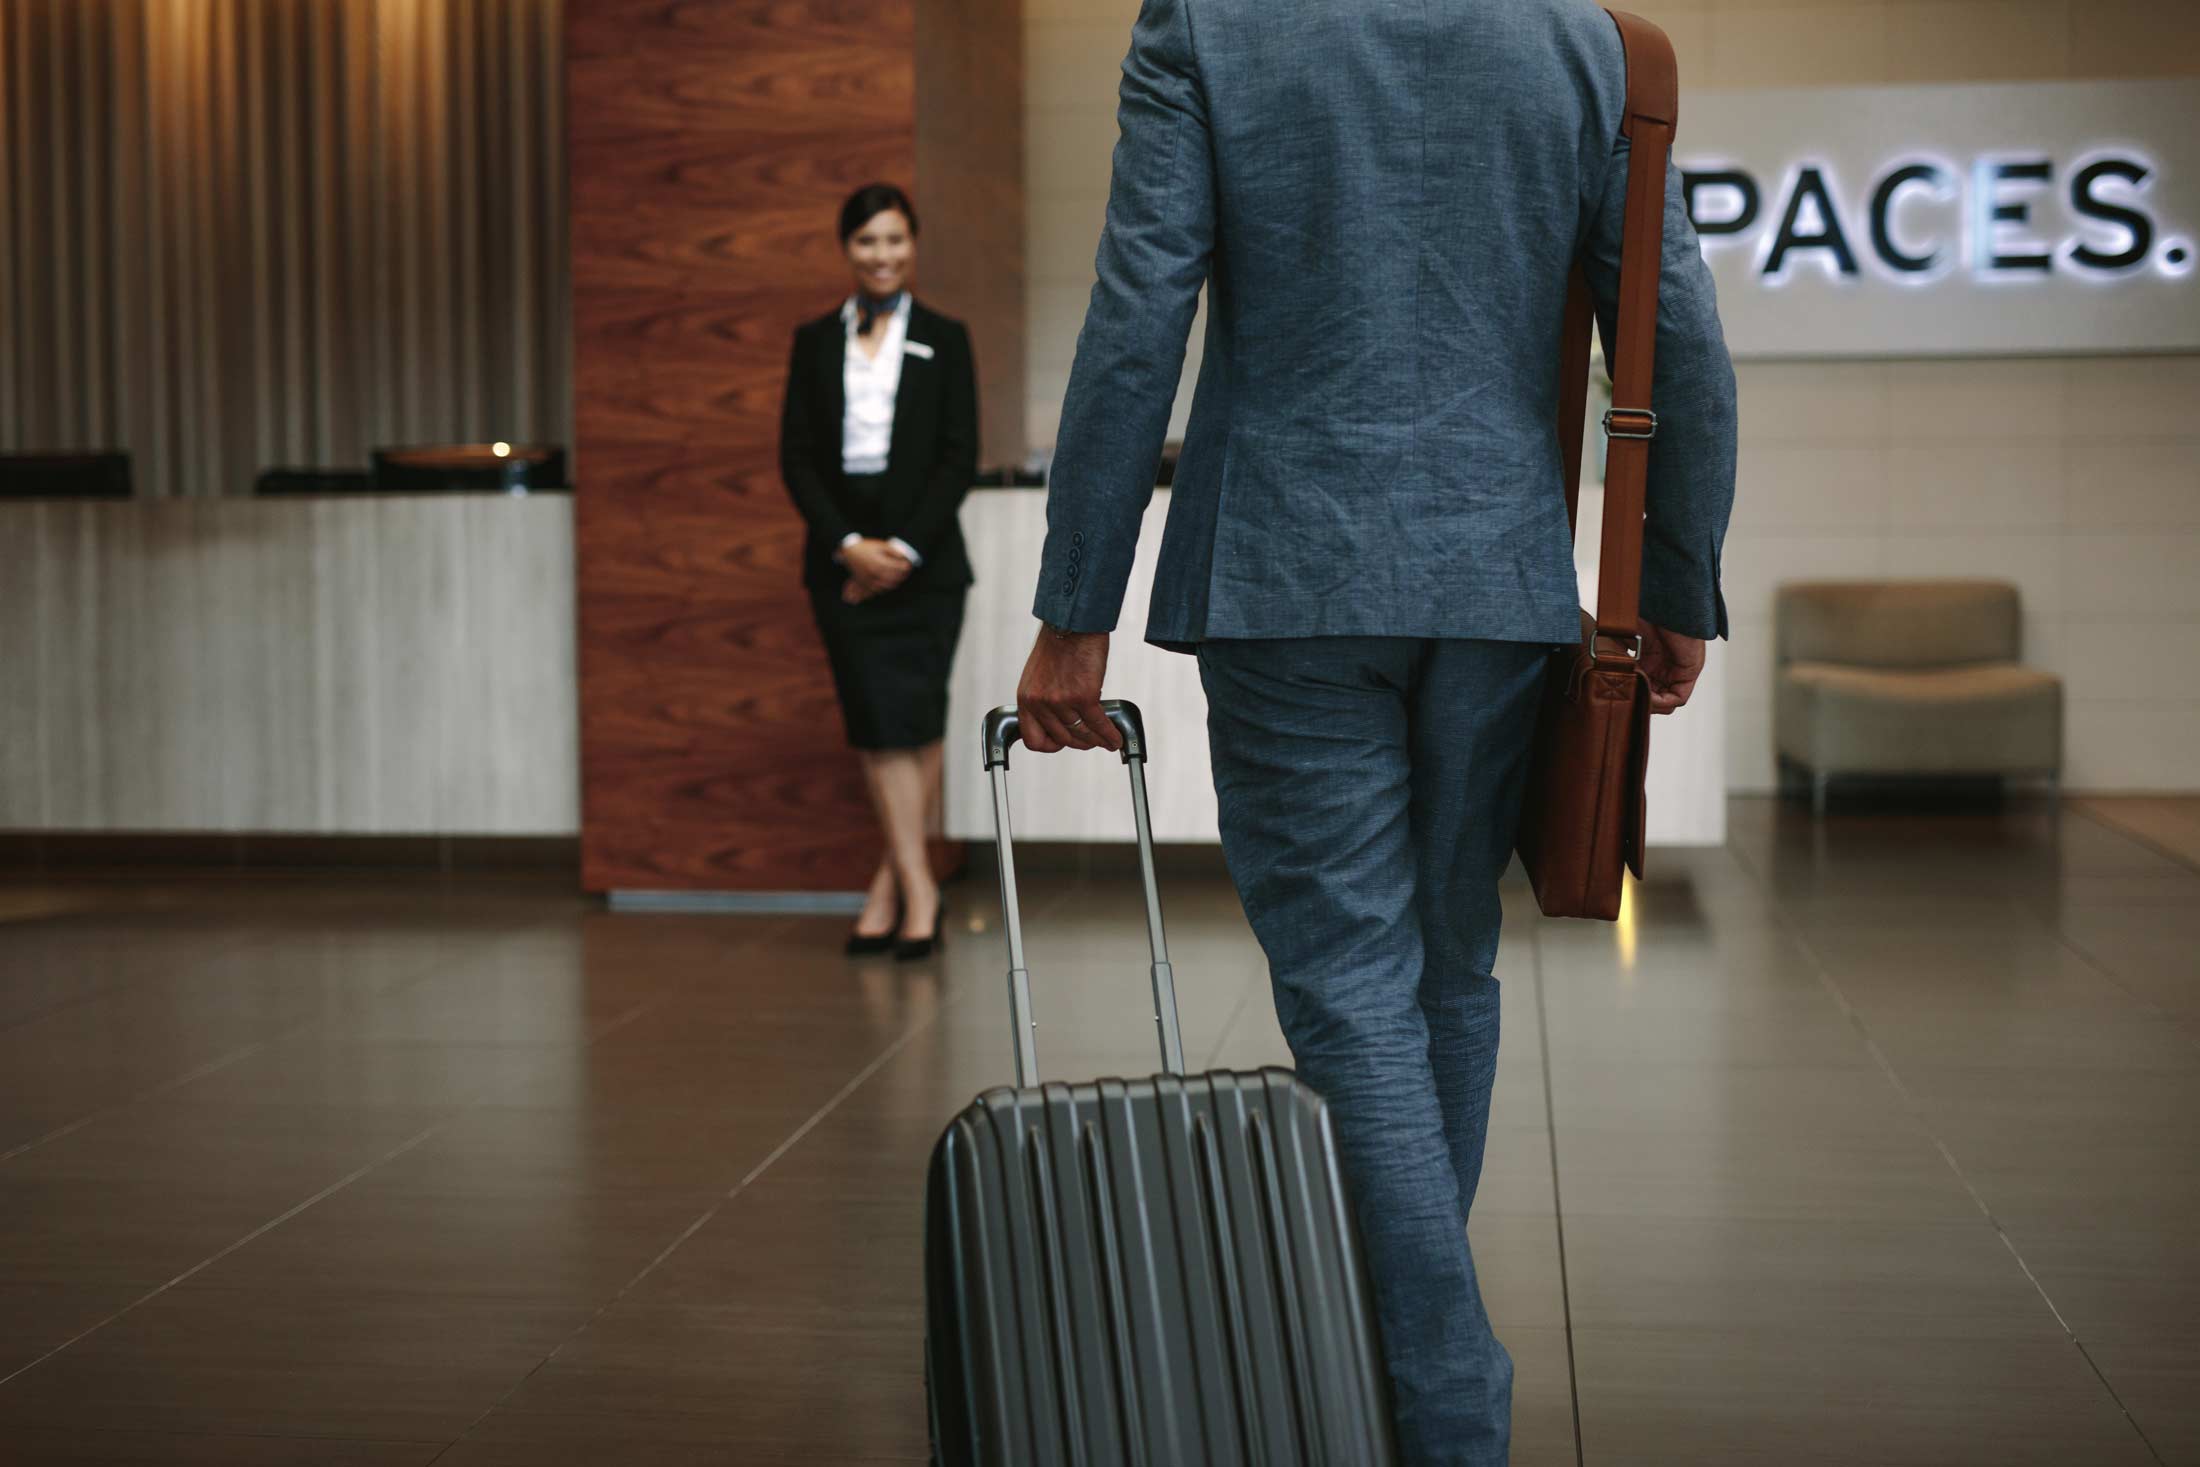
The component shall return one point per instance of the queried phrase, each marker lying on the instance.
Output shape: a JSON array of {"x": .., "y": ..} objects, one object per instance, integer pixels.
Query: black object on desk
[
  {"x": 511, "y": 468},
  {"x": 313, "y": 481},
  {"x": 64, "y": 476}
]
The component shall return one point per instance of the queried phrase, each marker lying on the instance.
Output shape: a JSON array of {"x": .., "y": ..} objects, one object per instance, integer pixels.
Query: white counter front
[
  {"x": 1085, "y": 798},
  {"x": 349, "y": 664}
]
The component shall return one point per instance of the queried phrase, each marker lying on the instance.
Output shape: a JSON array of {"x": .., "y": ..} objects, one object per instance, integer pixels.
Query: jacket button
[{"x": 1077, "y": 537}]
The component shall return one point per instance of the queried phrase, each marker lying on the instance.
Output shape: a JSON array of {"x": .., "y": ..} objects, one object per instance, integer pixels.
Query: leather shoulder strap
[
  {"x": 1653, "y": 73},
  {"x": 1652, "y": 110}
]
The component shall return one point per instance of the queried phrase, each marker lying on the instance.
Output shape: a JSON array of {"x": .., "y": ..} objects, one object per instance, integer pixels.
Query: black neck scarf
[{"x": 869, "y": 310}]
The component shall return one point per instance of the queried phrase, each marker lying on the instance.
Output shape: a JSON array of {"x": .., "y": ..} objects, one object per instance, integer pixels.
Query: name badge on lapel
[{"x": 917, "y": 349}]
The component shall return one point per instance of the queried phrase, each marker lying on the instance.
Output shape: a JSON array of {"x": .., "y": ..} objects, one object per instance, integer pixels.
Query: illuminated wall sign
[{"x": 1948, "y": 221}]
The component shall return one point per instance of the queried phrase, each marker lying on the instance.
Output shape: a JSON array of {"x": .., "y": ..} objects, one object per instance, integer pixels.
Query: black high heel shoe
[
  {"x": 861, "y": 945},
  {"x": 910, "y": 950}
]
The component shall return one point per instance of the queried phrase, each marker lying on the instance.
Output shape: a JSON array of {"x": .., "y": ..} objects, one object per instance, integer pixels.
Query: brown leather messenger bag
[{"x": 1581, "y": 824}]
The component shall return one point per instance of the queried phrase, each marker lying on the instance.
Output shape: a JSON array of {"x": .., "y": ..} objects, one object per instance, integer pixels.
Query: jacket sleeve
[
  {"x": 1154, "y": 255},
  {"x": 957, "y": 465},
  {"x": 1690, "y": 492},
  {"x": 798, "y": 452}
]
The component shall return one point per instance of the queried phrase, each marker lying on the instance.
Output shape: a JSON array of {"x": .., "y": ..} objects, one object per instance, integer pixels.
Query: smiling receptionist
[{"x": 878, "y": 444}]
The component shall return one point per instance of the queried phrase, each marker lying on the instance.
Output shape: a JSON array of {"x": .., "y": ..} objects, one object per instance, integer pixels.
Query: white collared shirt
[{"x": 871, "y": 385}]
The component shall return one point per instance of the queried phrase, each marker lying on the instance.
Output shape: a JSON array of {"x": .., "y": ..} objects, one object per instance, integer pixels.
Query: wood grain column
[
  {"x": 711, "y": 143},
  {"x": 970, "y": 189}
]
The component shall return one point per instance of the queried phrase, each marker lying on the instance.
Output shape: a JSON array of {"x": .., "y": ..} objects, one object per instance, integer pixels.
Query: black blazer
[{"x": 930, "y": 465}]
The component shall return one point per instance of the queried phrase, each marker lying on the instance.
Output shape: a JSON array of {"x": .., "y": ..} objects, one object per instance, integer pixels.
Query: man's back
[
  {"x": 1385, "y": 201},
  {"x": 1367, "y": 547}
]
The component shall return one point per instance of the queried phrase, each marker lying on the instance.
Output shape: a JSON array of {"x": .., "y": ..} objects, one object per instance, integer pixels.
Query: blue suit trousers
[{"x": 1369, "y": 789}]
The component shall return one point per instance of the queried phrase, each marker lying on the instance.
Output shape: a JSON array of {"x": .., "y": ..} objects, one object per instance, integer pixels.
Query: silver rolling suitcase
[{"x": 1160, "y": 1271}]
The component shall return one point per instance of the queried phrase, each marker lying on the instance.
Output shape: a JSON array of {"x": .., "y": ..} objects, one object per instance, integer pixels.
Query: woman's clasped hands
[{"x": 874, "y": 568}]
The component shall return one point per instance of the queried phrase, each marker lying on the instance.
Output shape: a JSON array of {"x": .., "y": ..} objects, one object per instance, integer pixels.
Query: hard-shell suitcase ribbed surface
[{"x": 1160, "y": 1271}]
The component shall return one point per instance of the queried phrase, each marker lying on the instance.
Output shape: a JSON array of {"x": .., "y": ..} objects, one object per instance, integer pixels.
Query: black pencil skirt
[{"x": 890, "y": 657}]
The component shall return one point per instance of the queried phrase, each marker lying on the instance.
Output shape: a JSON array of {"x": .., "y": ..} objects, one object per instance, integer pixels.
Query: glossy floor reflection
[{"x": 1876, "y": 1140}]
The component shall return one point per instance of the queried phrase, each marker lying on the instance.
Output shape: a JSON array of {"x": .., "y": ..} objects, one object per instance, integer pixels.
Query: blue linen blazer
[{"x": 1384, "y": 200}]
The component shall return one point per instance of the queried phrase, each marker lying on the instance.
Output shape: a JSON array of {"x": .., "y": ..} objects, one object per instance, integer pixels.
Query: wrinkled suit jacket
[{"x": 1384, "y": 199}]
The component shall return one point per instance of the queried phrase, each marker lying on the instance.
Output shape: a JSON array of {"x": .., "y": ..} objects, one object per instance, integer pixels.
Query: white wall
[
  {"x": 2065, "y": 477},
  {"x": 1072, "y": 59},
  {"x": 2078, "y": 479}
]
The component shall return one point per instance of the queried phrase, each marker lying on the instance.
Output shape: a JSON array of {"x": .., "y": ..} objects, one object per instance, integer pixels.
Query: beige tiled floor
[
  {"x": 2170, "y": 823},
  {"x": 1876, "y": 1140}
]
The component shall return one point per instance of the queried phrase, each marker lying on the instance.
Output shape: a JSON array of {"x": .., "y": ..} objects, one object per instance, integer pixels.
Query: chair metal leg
[{"x": 1819, "y": 779}]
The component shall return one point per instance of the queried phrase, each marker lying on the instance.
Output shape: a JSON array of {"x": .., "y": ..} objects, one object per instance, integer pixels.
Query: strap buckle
[
  {"x": 1629, "y": 644},
  {"x": 1637, "y": 423}
]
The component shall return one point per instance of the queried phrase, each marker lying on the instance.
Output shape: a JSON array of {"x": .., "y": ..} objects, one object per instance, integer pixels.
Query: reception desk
[
  {"x": 362, "y": 664},
  {"x": 1083, "y": 798},
  {"x": 358, "y": 664}
]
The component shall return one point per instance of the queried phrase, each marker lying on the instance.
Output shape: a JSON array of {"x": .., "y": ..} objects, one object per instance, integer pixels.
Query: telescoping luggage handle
[{"x": 1002, "y": 729}]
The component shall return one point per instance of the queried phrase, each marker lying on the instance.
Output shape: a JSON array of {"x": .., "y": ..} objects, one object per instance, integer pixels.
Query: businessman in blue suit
[{"x": 1367, "y": 546}]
